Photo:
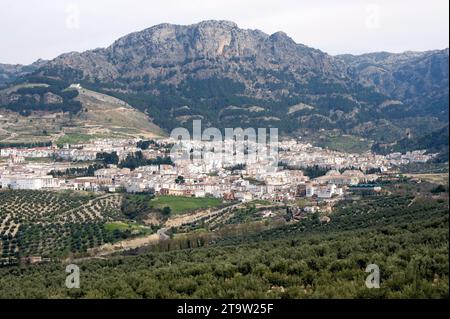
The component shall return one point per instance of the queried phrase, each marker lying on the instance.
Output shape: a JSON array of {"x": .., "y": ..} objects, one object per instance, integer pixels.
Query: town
[{"x": 137, "y": 166}]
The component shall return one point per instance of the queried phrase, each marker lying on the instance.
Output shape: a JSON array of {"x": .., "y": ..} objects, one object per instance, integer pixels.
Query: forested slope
[{"x": 407, "y": 239}]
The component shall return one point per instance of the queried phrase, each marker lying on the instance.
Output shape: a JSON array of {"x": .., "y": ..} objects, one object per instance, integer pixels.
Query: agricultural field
[
  {"x": 345, "y": 143},
  {"x": 77, "y": 138},
  {"x": 213, "y": 250},
  {"x": 126, "y": 227},
  {"x": 59, "y": 224},
  {"x": 308, "y": 259},
  {"x": 337, "y": 141},
  {"x": 113, "y": 116},
  {"x": 180, "y": 204},
  {"x": 239, "y": 216},
  {"x": 51, "y": 224}
]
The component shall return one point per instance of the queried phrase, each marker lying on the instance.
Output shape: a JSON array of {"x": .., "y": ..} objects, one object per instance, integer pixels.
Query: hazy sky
[{"x": 32, "y": 29}]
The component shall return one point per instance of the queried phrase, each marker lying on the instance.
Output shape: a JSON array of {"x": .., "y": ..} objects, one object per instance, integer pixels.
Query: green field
[
  {"x": 262, "y": 202},
  {"x": 123, "y": 227},
  {"x": 345, "y": 143},
  {"x": 75, "y": 138},
  {"x": 179, "y": 204}
]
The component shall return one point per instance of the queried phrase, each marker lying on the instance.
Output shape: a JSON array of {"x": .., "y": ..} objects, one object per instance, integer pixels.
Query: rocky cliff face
[{"x": 172, "y": 53}]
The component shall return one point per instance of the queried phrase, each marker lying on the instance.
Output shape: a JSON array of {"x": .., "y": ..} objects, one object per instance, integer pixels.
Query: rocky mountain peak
[
  {"x": 215, "y": 66},
  {"x": 198, "y": 50},
  {"x": 223, "y": 24},
  {"x": 281, "y": 36},
  {"x": 169, "y": 43}
]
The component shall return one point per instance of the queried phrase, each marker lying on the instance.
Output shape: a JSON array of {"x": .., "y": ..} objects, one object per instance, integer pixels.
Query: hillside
[
  {"x": 435, "y": 142},
  {"x": 97, "y": 115},
  {"x": 108, "y": 115},
  {"x": 221, "y": 74},
  {"x": 418, "y": 79},
  {"x": 309, "y": 259}
]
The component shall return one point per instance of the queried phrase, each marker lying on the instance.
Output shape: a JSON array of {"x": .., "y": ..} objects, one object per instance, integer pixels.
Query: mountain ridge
[
  {"x": 217, "y": 72},
  {"x": 10, "y": 72}
]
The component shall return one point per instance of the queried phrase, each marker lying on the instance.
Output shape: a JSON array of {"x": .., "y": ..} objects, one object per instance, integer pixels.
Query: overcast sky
[{"x": 32, "y": 29}]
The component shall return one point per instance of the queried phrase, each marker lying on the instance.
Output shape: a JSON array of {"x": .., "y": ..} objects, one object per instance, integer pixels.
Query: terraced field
[
  {"x": 57, "y": 225},
  {"x": 48, "y": 224}
]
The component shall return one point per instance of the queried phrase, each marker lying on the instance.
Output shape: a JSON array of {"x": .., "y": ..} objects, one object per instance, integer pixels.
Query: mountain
[
  {"x": 173, "y": 53},
  {"x": 10, "y": 72},
  {"x": 418, "y": 79},
  {"x": 231, "y": 77}
]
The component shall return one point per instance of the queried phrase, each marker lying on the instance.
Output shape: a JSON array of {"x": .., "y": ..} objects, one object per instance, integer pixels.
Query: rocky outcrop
[{"x": 174, "y": 53}]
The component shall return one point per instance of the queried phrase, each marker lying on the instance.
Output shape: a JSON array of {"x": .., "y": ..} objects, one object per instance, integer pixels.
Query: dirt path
[
  {"x": 108, "y": 249},
  {"x": 412, "y": 202}
]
